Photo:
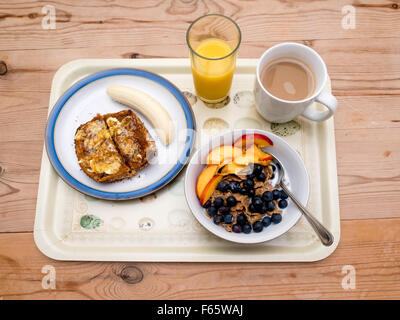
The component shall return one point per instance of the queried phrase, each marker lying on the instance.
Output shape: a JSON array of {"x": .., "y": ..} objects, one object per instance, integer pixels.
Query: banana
[{"x": 150, "y": 108}]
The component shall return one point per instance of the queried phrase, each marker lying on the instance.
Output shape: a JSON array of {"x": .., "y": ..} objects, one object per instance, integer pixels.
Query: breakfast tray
[{"x": 160, "y": 227}]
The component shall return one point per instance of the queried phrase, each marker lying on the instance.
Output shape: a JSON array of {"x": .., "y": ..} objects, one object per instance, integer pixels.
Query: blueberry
[
  {"x": 252, "y": 208},
  {"x": 276, "y": 194},
  {"x": 267, "y": 196},
  {"x": 218, "y": 202},
  {"x": 218, "y": 219},
  {"x": 266, "y": 221},
  {"x": 258, "y": 226},
  {"x": 244, "y": 185},
  {"x": 276, "y": 218},
  {"x": 243, "y": 191},
  {"x": 246, "y": 228},
  {"x": 273, "y": 167},
  {"x": 212, "y": 211},
  {"x": 207, "y": 204},
  {"x": 251, "y": 176},
  {"x": 284, "y": 195},
  {"x": 241, "y": 219},
  {"x": 251, "y": 192},
  {"x": 234, "y": 186},
  {"x": 270, "y": 206},
  {"x": 282, "y": 204},
  {"x": 261, "y": 177},
  {"x": 224, "y": 210},
  {"x": 258, "y": 168},
  {"x": 236, "y": 228},
  {"x": 248, "y": 184},
  {"x": 263, "y": 209},
  {"x": 257, "y": 202},
  {"x": 231, "y": 201},
  {"x": 228, "y": 218},
  {"x": 223, "y": 186}
]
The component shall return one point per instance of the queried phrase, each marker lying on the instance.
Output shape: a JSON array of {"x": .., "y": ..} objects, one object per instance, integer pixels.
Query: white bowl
[{"x": 296, "y": 178}]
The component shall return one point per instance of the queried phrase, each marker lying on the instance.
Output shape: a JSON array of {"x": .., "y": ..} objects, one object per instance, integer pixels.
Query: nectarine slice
[
  {"x": 258, "y": 152},
  {"x": 253, "y": 155},
  {"x": 246, "y": 159},
  {"x": 223, "y": 153},
  {"x": 204, "y": 178},
  {"x": 262, "y": 157},
  {"x": 209, "y": 189},
  {"x": 246, "y": 140}
]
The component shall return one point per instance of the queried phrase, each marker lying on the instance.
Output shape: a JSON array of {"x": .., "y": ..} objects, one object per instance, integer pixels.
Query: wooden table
[{"x": 364, "y": 64}]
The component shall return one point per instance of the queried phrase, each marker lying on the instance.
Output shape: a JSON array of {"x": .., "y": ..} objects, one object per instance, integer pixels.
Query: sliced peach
[
  {"x": 246, "y": 159},
  {"x": 258, "y": 152},
  {"x": 253, "y": 155},
  {"x": 204, "y": 178},
  {"x": 246, "y": 140},
  {"x": 265, "y": 162},
  {"x": 222, "y": 154},
  {"x": 209, "y": 189}
]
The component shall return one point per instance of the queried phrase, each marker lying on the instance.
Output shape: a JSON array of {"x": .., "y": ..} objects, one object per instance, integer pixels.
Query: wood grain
[
  {"x": 364, "y": 67},
  {"x": 355, "y": 69},
  {"x": 370, "y": 246},
  {"x": 129, "y": 22}
]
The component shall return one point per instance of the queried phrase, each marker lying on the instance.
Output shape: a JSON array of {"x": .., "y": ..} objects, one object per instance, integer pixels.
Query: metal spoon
[{"x": 324, "y": 235}]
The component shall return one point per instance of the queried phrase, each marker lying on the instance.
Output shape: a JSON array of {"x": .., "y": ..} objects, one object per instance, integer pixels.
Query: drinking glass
[{"x": 213, "y": 41}]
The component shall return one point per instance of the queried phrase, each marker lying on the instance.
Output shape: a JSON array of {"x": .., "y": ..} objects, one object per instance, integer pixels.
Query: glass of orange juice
[{"x": 213, "y": 41}]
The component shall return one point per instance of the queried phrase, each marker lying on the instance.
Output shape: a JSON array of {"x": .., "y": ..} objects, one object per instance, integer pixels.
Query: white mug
[{"x": 278, "y": 110}]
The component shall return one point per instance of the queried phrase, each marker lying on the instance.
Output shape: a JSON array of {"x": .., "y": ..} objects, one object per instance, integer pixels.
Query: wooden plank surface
[
  {"x": 368, "y": 246},
  {"x": 364, "y": 65}
]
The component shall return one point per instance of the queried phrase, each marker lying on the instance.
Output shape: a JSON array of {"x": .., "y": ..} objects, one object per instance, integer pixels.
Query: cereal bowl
[{"x": 296, "y": 178}]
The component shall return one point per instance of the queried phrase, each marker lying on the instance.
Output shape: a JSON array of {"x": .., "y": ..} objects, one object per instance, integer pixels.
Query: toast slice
[
  {"x": 97, "y": 153},
  {"x": 131, "y": 137}
]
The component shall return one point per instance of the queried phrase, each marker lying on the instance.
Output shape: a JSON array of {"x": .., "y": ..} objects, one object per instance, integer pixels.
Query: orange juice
[{"x": 213, "y": 78}]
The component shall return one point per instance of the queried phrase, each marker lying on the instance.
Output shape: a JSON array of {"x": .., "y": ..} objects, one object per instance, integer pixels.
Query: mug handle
[{"x": 328, "y": 100}]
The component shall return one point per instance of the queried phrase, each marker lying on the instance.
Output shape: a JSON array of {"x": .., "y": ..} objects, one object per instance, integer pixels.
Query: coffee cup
[{"x": 275, "y": 109}]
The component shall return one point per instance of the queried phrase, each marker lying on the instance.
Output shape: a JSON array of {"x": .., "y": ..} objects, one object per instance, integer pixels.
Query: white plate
[
  {"x": 296, "y": 178},
  {"x": 85, "y": 99}
]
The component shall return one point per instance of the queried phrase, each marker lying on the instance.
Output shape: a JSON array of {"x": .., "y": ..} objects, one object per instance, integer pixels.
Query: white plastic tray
[{"x": 160, "y": 227}]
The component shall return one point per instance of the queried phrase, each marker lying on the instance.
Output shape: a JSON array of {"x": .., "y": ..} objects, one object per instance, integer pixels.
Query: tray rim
[{"x": 45, "y": 241}]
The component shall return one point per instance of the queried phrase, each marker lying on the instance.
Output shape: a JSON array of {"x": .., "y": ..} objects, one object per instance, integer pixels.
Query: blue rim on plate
[{"x": 51, "y": 151}]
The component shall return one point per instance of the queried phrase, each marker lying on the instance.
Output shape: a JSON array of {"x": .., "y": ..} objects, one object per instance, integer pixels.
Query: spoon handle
[{"x": 323, "y": 233}]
